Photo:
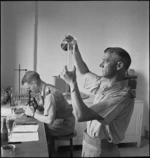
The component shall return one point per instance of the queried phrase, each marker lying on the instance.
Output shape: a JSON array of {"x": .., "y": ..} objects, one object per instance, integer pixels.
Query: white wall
[
  {"x": 96, "y": 25},
  {"x": 17, "y": 41}
]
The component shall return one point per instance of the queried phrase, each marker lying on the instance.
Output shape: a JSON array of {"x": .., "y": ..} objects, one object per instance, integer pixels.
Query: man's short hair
[
  {"x": 125, "y": 57},
  {"x": 30, "y": 76}
]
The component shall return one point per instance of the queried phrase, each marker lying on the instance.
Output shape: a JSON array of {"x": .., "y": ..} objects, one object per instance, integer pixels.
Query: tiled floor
[{"x": 126, "y": 150}]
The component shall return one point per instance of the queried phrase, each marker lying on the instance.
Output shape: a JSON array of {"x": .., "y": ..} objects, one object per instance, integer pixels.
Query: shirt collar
[
  {"x": 43, "y": 89},
  {"x": 117, "y": 85},
  {"x": 120, "y": 84}
]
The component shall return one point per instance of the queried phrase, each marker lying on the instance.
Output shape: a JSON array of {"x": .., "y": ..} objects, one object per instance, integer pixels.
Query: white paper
[
  {"x": 25, "y": 128},
  {"x": 24, "y": 137}
]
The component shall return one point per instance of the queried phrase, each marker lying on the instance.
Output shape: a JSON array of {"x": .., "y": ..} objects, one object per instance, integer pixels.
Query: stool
[{"x": 68, "y": 137}]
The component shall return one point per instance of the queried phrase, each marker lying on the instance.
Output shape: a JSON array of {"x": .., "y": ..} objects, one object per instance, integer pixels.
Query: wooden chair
[{"x": 66, "y": 138}]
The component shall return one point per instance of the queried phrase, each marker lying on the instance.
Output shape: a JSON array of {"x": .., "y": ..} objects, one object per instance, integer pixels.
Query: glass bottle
[{"x": 4, "y": 133}]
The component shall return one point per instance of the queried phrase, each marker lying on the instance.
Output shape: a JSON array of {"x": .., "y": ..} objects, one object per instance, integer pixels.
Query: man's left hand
[
  {"x": 69, "y": 76},
  {"x": 29, "y": 111}
]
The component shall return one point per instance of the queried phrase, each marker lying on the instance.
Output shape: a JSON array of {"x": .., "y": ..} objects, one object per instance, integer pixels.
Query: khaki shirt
[
  {"x": 114, "y": 103},
  {"x": 53, "y": 103}
]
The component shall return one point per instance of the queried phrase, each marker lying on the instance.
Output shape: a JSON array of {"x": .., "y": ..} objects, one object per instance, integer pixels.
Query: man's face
[
  {"x": 33, "y": 87},
  {"x": 109, "y": 65}
]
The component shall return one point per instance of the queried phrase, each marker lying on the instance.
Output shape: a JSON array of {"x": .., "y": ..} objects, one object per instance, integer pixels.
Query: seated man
[{"x": 52, "y": 108}]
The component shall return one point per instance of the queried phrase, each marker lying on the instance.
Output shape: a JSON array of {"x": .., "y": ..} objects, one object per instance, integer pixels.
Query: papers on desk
[
  {"x": 24, "y": 137},
  {"x": 25, "y": 128},
  {"x": 25, "y": 133}
]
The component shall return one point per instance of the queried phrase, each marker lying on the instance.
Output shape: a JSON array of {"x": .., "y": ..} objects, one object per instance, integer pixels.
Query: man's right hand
[{"x": 68, "y": 40}]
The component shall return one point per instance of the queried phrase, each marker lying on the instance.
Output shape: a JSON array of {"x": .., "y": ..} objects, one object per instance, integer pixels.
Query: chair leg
[
  {"x": 71, "y": 148},
  {"x": 52, "y": 148}
]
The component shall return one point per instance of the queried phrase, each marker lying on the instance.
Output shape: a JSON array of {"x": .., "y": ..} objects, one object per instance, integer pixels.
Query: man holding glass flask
[{"x": 109, "y": 116}]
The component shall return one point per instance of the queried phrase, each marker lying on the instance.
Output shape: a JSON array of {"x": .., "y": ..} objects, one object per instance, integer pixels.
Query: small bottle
[{"x": 4, "y": 133}]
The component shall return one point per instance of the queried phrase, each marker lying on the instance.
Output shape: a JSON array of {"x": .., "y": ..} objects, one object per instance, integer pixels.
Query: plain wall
[
  {"x": 96, "y": 25},
  {"x": 17, "y": 41}
]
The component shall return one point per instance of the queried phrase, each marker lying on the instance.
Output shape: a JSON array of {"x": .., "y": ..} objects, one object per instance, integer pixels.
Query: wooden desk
[{"x": 35, "y": 148}]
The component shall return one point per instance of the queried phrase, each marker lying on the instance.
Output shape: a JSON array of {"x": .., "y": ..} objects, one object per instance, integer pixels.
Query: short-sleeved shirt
[
  {"x": 114, "y": 102},
  {"x": 53, "y": 103}
]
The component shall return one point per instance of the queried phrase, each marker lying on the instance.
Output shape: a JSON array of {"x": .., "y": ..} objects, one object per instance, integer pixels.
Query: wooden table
[{"x": 34, "y": 148}]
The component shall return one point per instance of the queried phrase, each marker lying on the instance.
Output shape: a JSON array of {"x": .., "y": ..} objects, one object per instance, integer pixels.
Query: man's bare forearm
[
  {"x": 44, "y": 119},
  {"x": 82, "y": 112},
  {"x": 79, "y": 63}
]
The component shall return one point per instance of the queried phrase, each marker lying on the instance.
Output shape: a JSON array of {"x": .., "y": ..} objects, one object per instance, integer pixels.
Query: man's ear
[{"x": 120, "y": 65}]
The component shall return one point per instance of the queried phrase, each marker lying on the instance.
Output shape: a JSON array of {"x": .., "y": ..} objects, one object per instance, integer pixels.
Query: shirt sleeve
[
  {"x": 50, "y": 106},
  {"x": 91, "y": 82},
  {"x": 110, "y": 108}
]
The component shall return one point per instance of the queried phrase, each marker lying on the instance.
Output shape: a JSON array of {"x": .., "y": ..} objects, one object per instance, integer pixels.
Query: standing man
[
  {"x": 52, "y": 108},
  {"x": 109, "y": 116}
]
